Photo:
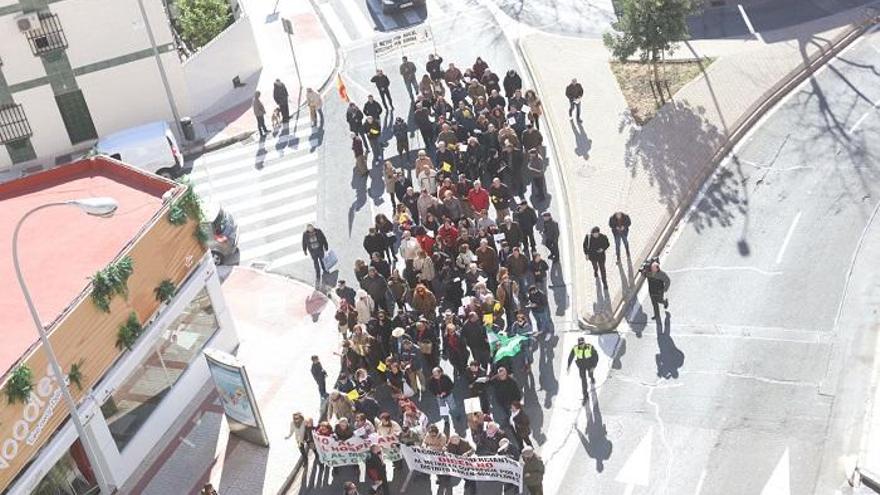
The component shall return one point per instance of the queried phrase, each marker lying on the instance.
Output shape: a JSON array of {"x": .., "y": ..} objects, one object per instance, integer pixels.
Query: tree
[
  {"x": 650, "y": 27},
  {"x": 201, "y": 21}
]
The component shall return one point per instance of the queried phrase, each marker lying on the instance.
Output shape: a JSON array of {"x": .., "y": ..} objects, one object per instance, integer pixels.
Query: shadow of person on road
[
  {"x": 595, "y": 438},
  {"x": 532, "y": 406},
  {"x": 669, "y": 358},
  {"x": 547, "y": 376},
  {"x": 557, "y": 285},
  {"x": 602, "y": 306},
  {"x": 359, "y": 184},
  {"x": 316, "y": 139},
  {"x": 582, "y": 144}
]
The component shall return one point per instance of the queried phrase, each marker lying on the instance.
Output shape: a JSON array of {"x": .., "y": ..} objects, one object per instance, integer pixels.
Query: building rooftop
[{"x": 61, "y": 248}]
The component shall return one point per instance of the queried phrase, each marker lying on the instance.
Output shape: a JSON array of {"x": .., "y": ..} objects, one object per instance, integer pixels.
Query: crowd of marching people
[{"x": 449, "y": 301}]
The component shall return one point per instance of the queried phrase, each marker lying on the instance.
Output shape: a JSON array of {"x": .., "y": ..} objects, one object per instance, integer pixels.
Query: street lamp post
[
  {"x": 93, "y": 206},
  {"x": 168, "y": 93}
]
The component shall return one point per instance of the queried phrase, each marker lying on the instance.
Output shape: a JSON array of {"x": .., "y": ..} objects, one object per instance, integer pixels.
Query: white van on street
[{"x": 151, "y": 147}]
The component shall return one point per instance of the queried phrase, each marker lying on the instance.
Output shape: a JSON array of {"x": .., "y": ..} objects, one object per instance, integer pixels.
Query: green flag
[{"x": 509, "y": 346}]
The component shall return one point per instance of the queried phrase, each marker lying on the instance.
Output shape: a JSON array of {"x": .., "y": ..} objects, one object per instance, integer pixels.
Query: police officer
[
  {"x": 658, "y": 284},
  {"x": 595, "y": 244},
  {"x": 586, "y": 358}
]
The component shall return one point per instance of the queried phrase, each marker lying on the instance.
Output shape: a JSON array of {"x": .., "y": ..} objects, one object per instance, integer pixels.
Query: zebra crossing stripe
[
  {"x": 273, "y": 228},
  {"x": 256, "y": 189},
  {"x": 286, "y": 209},
  {"x": 249, "y": 173},
  {"x": 335, "y": 24},
  {"x": 257, "y": 202},
  {"x": 246, "y": 159},
  {"x": 265, "y": 249}
]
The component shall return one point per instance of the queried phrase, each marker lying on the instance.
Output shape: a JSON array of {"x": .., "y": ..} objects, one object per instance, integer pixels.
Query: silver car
[{"x": 222, "y": 232}]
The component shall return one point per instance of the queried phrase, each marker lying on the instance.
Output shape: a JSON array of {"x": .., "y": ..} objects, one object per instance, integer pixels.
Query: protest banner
[
  {"x": 478, "y": 468},
  {"x": 334, "y": 453}
]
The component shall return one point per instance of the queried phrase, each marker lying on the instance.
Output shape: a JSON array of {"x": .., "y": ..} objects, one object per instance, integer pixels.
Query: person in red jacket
[
  {"x": 448, "y": 234},
  {"x": 478, "y": 197}
]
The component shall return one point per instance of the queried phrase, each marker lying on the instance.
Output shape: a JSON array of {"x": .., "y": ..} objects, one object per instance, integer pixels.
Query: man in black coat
[
  {"x": 279, "y": 94},
  {"x": 382, "y": 84},
  {"x": 372, "y": 108},
  {"x": 422, "y": 116},
  {"x": 574, "y": 92},
  {"x": 512, "y": 82},
  {"x": 315, "y": 245},
  {"x": 374, "y": 133},
  {"x": 433, "y": 67},
  {"x": 527, "y": 218},
  {"x": 595, "y": 244},
  {"x": 374, "y": 242},
  {"x": 619, "y": 224},
  {"x": 658, "y": 284},
  {"x": 408, "y": 73},
  {"x": 550, "y": 232},
  {"x": 355, "y": 119}
]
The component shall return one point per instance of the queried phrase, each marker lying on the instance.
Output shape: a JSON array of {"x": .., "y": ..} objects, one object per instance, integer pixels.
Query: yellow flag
[
  {"x": 353, "y": 395},
  {"x": 381, "y": 367}
]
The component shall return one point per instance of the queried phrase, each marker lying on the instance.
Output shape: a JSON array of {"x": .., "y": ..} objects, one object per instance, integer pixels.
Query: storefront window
[
  {"x": 181, "y": 343},
  {"x": 71, "y": 475}
]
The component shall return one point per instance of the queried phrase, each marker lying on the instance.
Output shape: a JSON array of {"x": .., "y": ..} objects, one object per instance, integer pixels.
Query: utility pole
[{"x": 162, "y": 73}]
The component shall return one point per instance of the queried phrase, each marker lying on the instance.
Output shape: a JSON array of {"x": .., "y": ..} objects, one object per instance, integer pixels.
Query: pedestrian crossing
[
  {"x": 359, "y": 21},
  {"x": 270, "y": 188}
]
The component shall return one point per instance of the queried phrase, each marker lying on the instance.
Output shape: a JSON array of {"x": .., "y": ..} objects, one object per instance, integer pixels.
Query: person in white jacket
[
  {"x": 315, "y": 106},
  {"x": 409, "y": 249},
  {"x": 364, "y": 306}
]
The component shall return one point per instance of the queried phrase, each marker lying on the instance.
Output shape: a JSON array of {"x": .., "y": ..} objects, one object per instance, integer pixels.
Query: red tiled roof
[{"x": 60, "y": 248}]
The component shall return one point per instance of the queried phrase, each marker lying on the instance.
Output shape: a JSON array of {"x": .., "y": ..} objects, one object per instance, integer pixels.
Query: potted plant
[
  {"x": 129, "y": 332},
  {"x": 110, "y": 281},
  {"x": 20, "y": 385},
  {"x": 165, "y": 291},
  {"x": 75, "y": 374}
]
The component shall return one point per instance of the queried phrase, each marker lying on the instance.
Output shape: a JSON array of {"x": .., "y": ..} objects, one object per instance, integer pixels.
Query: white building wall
[
  {"x": 103, "y": 29},
  {"x": 140, "y": 99},
  {"x": 45, "y": 119},
  {"x": 19, "y": 62}
]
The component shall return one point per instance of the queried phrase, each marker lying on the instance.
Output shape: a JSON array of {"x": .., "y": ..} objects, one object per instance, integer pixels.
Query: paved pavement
[
  {"x": 280, "y": 323},
  {"x": 648, "y": 171},
  {"x": 756, "y": 380},
  {"x": 305, "y": 59},
  {"x": 716, "y": 19}
]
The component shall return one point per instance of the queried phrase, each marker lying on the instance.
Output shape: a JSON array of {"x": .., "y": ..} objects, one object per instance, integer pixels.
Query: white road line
[
  {"x": 247, "y": 236},
  {"x": 863, "y": 117},
  {"x": 699, "y": 489},
  {"x": 265, "y": 249},
  {"x": 335, "y": 24},
  {"x": 238, "y": 208},
  {"x": 257, "y": 188},
  {"x": 361, "y": 23},
  {"x": 788, "y": 235},
  {"x": 748, "y": 22},
  {"x": 284, "y": 209},
  {"x": 287, "y": 260},
  {"x": 250, "y": 173},
  {"x": 725, "y": 269},
  {"x": 245, "y": 158}
]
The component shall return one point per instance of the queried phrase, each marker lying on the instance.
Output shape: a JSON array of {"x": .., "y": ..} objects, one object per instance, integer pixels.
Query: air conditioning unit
[{"x": 28, "y": 22}]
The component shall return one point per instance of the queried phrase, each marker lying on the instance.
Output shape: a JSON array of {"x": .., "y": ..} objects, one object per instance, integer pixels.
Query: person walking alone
[
  {"x": 320, "y": 375},
  {"x": 619, "y": 224},
  {"x": 586, "y": 358},
  {"x": 595, "y": 244},
  {"x": 315, "y": 245},
  {"x": 382, "y": 84},
  {"x": 408, "y": 73},
  {"x": 574, "y": 92},
  {"x": 260, "y": 114},
  {"x": 658, "y": 284},
  {"x": 533, "y": 471},
  {"x": 550, "y": 233},
  {"x": 316, "y": 106},
  {"x": 279, "y": 94}
]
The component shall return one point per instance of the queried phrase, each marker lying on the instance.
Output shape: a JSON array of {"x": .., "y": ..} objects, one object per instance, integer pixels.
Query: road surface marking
[
  {"x": 779, "y": 482},
  {"x": 784, "y": 246},
  {"x": 276, "y": 228},
  {"x": 335, "y": 24},
  {"x": 363, "y": 26},
  {"x": 637, "y": 469},
  {"x": 284, "y": 209},
  {"x": 726, "y": 269},
  {"x": 256, "y": 189},
  {"x": 700, "y": 483},
  {"x": 246, "y": 159},
  {"x": 263, "y": 250},
  {"x": 249, "y": 173},
  {"x": 748, "y": 22},
  {"x": 863, "y": 117},
  {"x": 286, "y": 260}
]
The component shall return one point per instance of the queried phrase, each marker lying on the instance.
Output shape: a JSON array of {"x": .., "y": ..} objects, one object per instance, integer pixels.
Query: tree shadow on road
[{"x": 675, "y": 150}]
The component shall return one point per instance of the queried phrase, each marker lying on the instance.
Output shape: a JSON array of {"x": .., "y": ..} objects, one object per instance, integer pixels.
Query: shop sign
[{"x": 40, "y": 407}]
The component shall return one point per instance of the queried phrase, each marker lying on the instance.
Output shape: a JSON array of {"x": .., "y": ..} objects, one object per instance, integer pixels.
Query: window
[
  {"x": 76, "y": 117},
  {"x": 71, "y": 475},
  {"x": 48, "y": 36},
  {"x": 129, "y": 407},
  {"x": 14, "y": 124}
]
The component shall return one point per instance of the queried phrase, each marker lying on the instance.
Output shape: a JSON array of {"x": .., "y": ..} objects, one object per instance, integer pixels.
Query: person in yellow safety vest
[{"x": 586, "y": 358}]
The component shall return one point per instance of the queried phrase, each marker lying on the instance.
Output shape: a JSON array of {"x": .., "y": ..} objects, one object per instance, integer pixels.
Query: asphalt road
[
  {"x": 717, "y": 19},
  {"x": 755, "y": 382}
]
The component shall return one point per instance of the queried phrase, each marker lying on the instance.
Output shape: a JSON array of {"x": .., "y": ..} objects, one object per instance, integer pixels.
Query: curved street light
[{"x": 101, "y": 207}]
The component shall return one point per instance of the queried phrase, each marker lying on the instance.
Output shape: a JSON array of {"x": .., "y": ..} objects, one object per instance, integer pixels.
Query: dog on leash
[{"x": 276, "y": 119}]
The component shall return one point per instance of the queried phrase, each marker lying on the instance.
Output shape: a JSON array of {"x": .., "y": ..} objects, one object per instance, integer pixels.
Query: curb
[{"x": 741, "y": 127}]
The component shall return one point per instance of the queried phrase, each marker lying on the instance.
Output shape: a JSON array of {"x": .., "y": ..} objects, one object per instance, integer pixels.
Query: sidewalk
[
  {"x": 232, "y": 120},
  {"x": 654, "y": 172},
  {"x": 281, "y": 323}
]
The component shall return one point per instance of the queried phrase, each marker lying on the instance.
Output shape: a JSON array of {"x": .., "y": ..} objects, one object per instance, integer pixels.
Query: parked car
[
  {"x": 151, "y": 147},
  {"x": 392, "y": 6},
  {"x": 222, "y": 232}
]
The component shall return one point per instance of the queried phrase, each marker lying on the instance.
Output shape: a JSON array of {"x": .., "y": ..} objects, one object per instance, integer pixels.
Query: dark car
[{"x": 391, "y": 6}]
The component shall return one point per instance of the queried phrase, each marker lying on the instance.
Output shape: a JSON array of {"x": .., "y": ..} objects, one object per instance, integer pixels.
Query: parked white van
[{"x": 151, "y": 147}]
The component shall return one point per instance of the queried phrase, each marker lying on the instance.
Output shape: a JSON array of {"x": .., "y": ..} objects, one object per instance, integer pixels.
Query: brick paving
[{"x": 650, "y": 172}]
